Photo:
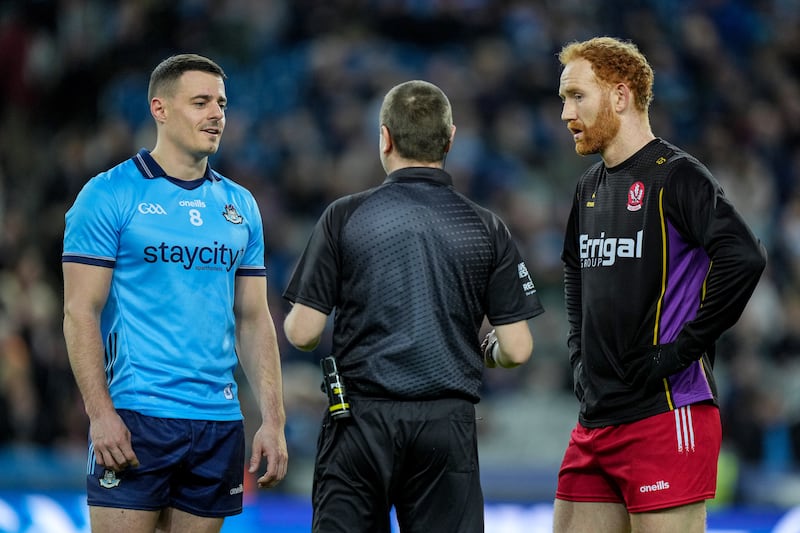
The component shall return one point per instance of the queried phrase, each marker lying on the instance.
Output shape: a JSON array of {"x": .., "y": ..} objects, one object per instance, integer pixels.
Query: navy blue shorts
[{"x": 195, "y": 466}]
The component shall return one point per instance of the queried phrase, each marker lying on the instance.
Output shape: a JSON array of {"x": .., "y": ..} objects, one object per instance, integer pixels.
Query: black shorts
[{"x": 419, "y": 456}]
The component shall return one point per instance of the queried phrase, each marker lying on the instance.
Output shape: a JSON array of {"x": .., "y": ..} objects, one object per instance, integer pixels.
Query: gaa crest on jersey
[
  {"x": 109, "y": 480},
  {"x": 636, "y": 196},
  {"x": 231, "y": 215}
]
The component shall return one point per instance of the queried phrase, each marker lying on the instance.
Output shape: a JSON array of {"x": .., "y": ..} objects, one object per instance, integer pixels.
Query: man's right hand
[{"x": 111, "y": 441}]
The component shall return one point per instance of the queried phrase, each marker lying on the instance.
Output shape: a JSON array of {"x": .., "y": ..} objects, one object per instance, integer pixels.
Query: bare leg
[
  {"x": 686, "y": 519},
  {"x": 175, "y": 521},
  {"x": 590, "y": 517},
  {"x": 112, "y": 520}
]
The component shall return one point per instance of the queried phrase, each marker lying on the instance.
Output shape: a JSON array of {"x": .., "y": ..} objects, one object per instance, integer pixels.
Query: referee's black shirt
[{"x": 412, "y": 267}]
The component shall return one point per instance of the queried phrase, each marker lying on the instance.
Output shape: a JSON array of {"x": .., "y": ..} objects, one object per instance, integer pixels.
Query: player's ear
[
  {"x": 621, "y": 96},
  {"x": 158, "y": 110},
  {"x": 386, "y": 139},
  {"x": 450, "y": 142}
]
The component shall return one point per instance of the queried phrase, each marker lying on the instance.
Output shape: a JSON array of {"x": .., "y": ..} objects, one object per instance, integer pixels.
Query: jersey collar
[
  {"x": 150, "y": 169},
  {"x": 436, "y": 175}
]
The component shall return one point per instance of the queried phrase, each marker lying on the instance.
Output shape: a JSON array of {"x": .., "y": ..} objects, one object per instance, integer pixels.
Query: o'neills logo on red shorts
[{"x": 659, "y": 485}]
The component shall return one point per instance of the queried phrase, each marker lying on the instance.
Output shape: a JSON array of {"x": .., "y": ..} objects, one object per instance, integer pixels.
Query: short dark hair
[
  {"x": 164, "y": 76},
  {"x": 419, "y": 119}
]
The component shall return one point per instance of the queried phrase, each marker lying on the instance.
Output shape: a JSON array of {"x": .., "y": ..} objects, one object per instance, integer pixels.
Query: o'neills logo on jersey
[
  {"x": 192, "y": 203},
  {"x": 604, "y": 251}
]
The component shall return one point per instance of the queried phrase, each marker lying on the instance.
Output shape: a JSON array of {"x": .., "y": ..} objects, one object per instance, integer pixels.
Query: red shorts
[{"x": 659, "y": 462}]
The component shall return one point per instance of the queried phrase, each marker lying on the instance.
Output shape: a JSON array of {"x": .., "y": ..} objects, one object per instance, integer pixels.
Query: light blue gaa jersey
[{"x": 176, "y": 249}]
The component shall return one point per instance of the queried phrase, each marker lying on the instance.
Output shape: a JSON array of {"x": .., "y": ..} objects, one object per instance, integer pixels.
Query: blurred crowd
[{"x": 305, "y": 79}]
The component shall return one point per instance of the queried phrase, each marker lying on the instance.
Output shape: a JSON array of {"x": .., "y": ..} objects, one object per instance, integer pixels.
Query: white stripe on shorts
[{"x": 684, "y": 429}]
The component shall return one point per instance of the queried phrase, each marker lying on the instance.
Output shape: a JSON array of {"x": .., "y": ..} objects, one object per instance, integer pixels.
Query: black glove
[
  {"x": 488, "y": 350},
  {"x": 646, "y": 365}
]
